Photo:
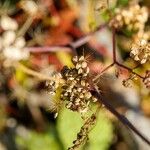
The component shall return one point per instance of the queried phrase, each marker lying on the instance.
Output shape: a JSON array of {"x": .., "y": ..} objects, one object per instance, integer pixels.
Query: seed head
[
  {"x": 147, "y": 79},
  {"x": 140, "y": 51},
  {"x": 75, "y": 91},
  {"x": 133, "y": 18}
]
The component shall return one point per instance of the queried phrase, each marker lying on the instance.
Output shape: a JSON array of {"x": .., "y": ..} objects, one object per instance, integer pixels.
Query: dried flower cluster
[
  {"x": 147, "y": 79},
  {"x": 140, "y": 51},
  {"x": 53, "y": 85},
  {"x": 132, "y": 17},
  {"x": 127, "y": 82},
  {"x": 10, "y": 44},
  {"x": 82, "y": 136},
  {"x": 75, "y": 91}
]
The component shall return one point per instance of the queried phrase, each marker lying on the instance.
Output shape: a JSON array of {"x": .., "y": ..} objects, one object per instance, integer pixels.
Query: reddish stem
[
  {"x": 129, "y": 69},
  {"x": 48, "y": 49},
  {"x": 73, "y": 45},
  {"x": 104, "y": 70},
  {"x": 107, "y": 68},
  {"x": 114, "y": 44}
]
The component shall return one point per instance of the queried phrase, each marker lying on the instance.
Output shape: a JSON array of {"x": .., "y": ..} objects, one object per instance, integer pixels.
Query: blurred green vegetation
[
  {"x": 68, "y": 125},
  {"x": 36, "y": 141}
]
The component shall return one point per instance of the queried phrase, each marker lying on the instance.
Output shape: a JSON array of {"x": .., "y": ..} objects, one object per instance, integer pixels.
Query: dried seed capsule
[
  {"x": 81, "y": 95},
  {"x": 78, "y": 65},
  {"x": 83, "y": 82},
  {"x": 71, "y": 78},
  {"x": 94, "y": 99},
  {"x": 87, "y": 70},
  {"x": 80, "y": 71},
  {"x": 83, "y": 91},
  {"x": 84, "y": 64},
  {"x": 147, "y": 79},
  {"x": 52, "y": 93},
  {"x": 77, "y": 100},
  {"x": 79, "y": 89},
  {"x": 85, "y": 74},
  {"x": 66, "y": 94},
  {"x": 81, "y": 58},
  {"x": 74, "y": 90},
  {"x": 75, "y": 59},
  {"x": 88, "y": 95},
  {"x": 69, "y": 105},
  {"x": 65, "y": 71},
  {"x": 69, "y": 90},
  {"x": 52, "y": 83},
  {"x": 87, "y": 84}
]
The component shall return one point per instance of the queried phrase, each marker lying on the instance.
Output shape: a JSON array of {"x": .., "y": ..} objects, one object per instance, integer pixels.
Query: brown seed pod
[{"x": 147, "y": 79}]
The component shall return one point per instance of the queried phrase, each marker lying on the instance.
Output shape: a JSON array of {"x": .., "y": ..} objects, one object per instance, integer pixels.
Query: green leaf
[
  {"x": 38, "y": 141},
  {"x": 69, "y": 124},
  {"x": 102, "y": 134}
]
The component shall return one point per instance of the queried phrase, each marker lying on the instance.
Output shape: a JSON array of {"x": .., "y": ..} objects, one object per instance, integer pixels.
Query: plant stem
[
  {"x": 48, "y": 49},
  {"x": 34, "y": 73},
  {"x": 104, "y": 70},
  {"x": 129, "y": 69},
  {"x": 73, "y": 45},
  {"x": 25, "y": 26},
  {"x": 114, "y": 44},
  {"x": 122, "y": 118}
]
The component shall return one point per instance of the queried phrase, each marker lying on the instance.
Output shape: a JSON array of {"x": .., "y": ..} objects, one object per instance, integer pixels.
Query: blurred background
[{"x": 26, "y": 122}]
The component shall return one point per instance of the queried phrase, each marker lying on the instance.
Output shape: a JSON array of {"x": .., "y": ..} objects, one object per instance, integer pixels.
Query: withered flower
[
  {"x": 75, "y": 91},
  {"x": 133, "y": 18},
  {"x": 140, "y": 51}
]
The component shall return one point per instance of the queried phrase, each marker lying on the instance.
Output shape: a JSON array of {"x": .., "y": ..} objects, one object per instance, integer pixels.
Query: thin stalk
[
  {"x": 33, "y": 73},
  {"x": 73, "y": 45},
  {"x": 129, "y": 69},
  {"x": 104, "y": 70},
  {"x": 114, "y": 44},
  {"x": 122, "y": 118},
  {"x": 47, "y": 49},
  {"x": 25, "y": 26}
]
